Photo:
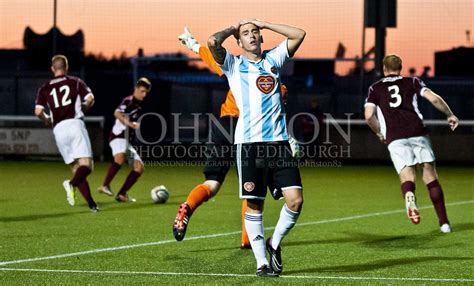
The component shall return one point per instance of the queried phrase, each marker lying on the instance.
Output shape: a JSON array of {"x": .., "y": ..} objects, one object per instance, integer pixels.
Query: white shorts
[
  {"x": 411, "y": 151},
  {"x": 120, "y": 145},
  {"x": 72, "y": 140}
]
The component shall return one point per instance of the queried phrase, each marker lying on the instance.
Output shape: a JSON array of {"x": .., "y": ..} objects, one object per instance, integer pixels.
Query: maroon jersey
[
  {"x": 63, "y": 95},
  {"x": 130, "y": 107},
  {"x": 396, "y": 99}
]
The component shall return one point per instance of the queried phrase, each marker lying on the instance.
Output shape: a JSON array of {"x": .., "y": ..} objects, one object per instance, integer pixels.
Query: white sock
[
  {"x": 254, "y": 226},
  {"x": 286, "y": 222}
]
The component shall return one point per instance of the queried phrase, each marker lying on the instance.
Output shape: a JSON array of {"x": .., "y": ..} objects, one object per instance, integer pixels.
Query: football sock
[
  {"x": 437, "y": 197},
  {"x": 80, "y": 175},
  {"x": 286, "y": 222},
  {"x": 245, "y": 236},
  {"x": 113, "y": 170},
  {"x": 201, "y": 193},
  {"x": 86, "y": 193},
  {"x": 131, "y": 179},
  {"x": 254, "y": 226},
  {"x": 408, "y": 186}
]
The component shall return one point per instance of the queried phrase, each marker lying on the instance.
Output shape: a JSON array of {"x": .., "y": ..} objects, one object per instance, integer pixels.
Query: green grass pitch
[{"x": 352, "y": 230}]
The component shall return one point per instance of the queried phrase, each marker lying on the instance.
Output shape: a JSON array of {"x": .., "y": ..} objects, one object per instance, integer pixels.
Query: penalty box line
[
  {"x": 208, "y": 236},
  {"x": 312, "y": 277}
]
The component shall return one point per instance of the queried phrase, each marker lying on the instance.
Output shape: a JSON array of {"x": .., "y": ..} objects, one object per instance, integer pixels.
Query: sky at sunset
[{"x": 114, "y": 26}]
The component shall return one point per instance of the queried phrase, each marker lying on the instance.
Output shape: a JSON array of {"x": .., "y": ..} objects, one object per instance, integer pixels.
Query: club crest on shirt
[
  {"x": 265, "y": 83},
  {"x": 249, "y": 186}
]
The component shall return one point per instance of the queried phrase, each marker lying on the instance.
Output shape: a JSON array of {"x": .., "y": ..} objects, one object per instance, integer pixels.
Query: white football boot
[
  {"x": 445, "y": 228},
  {"x": 70, "y": 193},
  {"x": 412, "y": 211}
]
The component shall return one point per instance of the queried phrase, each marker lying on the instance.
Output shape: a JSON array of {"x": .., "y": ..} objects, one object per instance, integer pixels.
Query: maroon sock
[
  {"x": 80, "y": 175},
  {"x": 86, "y": 193},
  {"x": 131, "y": 179},
  {"x": 408, "y": 186},
  {"x": 113, "y": 170},
  {"x": 437, "y": 197}
]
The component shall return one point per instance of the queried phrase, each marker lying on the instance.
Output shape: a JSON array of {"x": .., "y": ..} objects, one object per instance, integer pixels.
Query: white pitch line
[
  {"x": 208, "y": 236},
  {"x": 238, "y": 275},
  {"x": 375, "y": 214}
]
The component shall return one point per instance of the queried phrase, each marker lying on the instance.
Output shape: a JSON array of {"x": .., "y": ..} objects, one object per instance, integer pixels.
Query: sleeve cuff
[
  {"x": 39, "y": 106},
  {"x": 422, "y": 91},
  {"x": 370, "y": 104},
  {"x": 88, "y": 95}
]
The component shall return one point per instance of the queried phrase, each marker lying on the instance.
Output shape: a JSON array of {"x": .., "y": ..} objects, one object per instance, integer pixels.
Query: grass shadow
[
  {"x": 38, "y": 216},
  {"x": 377, "y": 264}
]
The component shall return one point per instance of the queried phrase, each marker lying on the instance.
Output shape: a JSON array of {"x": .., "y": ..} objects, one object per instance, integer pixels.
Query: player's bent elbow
[
  {"x": 118, "y": 114},
  {"x": 38, "y": 112},
  {"x": 212, "y": 42},
  {"x": 302, "y": 34}
]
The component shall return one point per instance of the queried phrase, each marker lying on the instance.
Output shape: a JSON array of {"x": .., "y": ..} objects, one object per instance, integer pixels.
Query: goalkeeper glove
[
  {"x": 188, "y": 40},
  {"x": 296, "y": 150}
]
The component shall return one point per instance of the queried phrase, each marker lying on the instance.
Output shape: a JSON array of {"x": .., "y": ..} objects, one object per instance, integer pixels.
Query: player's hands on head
[
  {"x": 259, "y": 23},
  {"x": 453, "y": 121},
  {"x": 236, "y": 27}
]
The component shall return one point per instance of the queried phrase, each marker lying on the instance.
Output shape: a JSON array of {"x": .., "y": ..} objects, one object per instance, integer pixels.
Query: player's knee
[
  {"x": 119, "y": 160},
  {"x": 429, "y": 173},
  {"x": 214, "y": 186},
  {"x": 295, "y": 204},
  {"x": 408, "y": 174},
  {"x": 87, "y": 162},
  {"x": 139, "y": 168}
]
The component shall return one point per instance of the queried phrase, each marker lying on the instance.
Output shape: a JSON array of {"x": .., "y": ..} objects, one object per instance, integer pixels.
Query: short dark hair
[
  {"x": 143, "y": 81},
  {"x": 392, "y": 62}
]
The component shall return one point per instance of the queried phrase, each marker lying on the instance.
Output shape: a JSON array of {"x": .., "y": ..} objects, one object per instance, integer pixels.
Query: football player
[
  {"x": 264, "y": 157},
  {"x": 126, "y": 116},
  {"x": 391, "y": 111},
  {"x": 67, "y": 98}
]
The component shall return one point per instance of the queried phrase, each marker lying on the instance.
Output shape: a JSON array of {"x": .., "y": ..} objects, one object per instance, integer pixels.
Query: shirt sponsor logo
[{"x": 265, "y": 83}]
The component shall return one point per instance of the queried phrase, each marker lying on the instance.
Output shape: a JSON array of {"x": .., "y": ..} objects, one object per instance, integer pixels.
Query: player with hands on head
[
  {"x": 254, "y": 78},
  {"x": 219, "y": 159}
]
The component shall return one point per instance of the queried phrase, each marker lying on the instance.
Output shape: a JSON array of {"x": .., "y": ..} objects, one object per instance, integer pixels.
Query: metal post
[
  {"x": 362, "y": 64},
  {"x": 380, "y": 34},
  {"x": 55, "y": 29}
]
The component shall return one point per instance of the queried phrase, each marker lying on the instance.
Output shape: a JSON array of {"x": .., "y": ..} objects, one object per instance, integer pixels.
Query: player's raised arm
[
  {"x": 215, "y": 42},
  {"x": 295, "y": 35},
  {"x": 188, "y": 40},
  {"x": 439, "y": 103}
]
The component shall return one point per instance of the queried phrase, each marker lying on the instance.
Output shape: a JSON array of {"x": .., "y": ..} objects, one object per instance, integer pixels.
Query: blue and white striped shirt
[{"x": 256, "y": 87}]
